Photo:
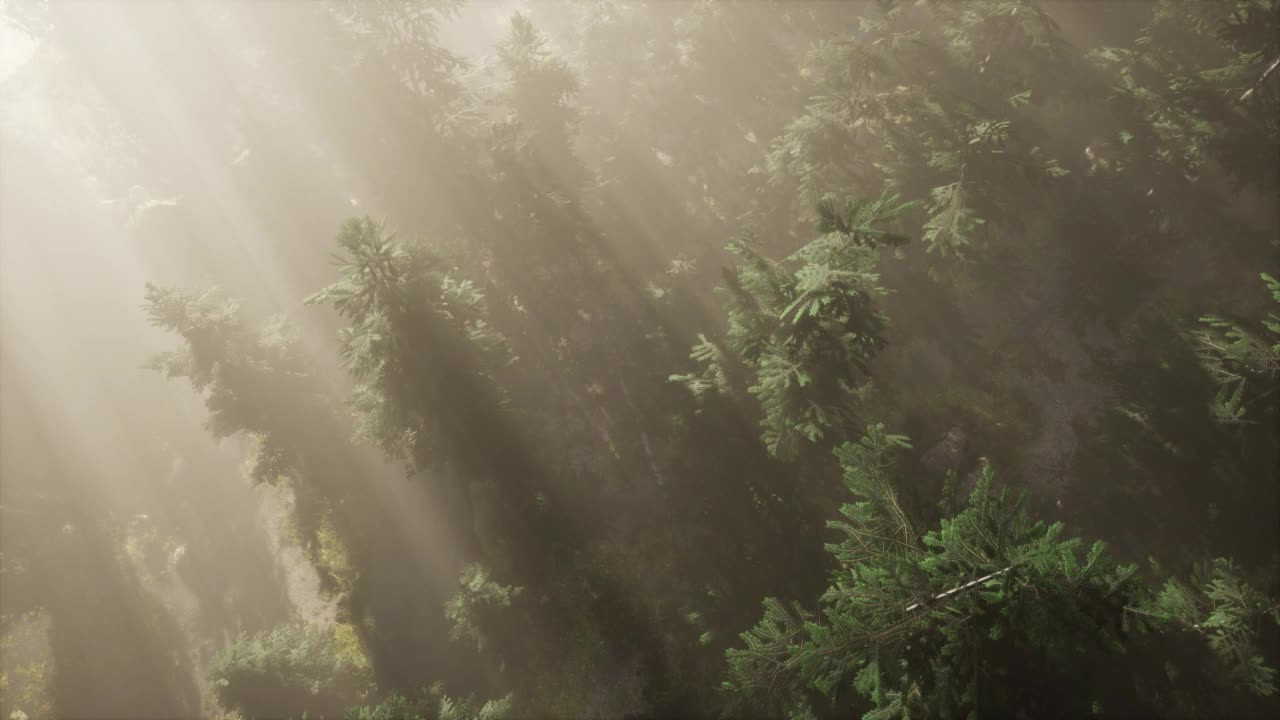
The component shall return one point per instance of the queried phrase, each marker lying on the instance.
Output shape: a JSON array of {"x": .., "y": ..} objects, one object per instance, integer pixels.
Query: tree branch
[
  {"x": 961, "y": 588},
  {"x": 1261, "y": 79}
]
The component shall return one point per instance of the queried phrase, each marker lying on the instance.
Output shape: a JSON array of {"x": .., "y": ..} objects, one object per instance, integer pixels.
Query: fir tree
[
  {"x": 805, "y": 329},
  {"x": 1243, "y": 362},
  {"x": 953, "y": 621}
]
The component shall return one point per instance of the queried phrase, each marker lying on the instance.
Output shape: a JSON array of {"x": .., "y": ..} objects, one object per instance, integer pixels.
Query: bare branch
[
  {"x": 1261, "y": 79},
  {"x": 961, "y": 588}
]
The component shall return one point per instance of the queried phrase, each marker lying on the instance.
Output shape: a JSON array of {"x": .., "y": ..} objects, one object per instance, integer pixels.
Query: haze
[{"x": 462, "y": 359}]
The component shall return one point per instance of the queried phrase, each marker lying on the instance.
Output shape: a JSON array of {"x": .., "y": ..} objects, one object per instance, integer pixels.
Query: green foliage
[
  {"x": 247, "y": 376},
  {"x": 470, "y": 709},
  {"x": 877, "y": 525},
  {"x": 332, "y": 557},
  {"x": 713, "y": 376},
  {"x": 292, "y": 669},
  {"x": 806, "y": 328},
  {"x": 1047, "y": 183},
  {"x": 541, "y": 85},
  {"x": 26, "y": 665},
  {"x": 858, "y": 220},
  {"x": 395, "y": 707},
  {"x": 915, "y": 621},
  {"x": 479, "y": 601},
  {"x": 393, "y": 293},
  {"x": 1230, "y": 612},
  {"x": 1238, "y": 358},
  {"x": 1187, "y": 84},
  {"x": 921, "y": 95}
]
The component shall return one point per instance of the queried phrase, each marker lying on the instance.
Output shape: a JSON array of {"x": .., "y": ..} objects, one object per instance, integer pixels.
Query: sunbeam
[{"x": 494, "y": 359}]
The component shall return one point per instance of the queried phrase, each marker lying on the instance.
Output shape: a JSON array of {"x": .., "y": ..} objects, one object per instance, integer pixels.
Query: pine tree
[
  {"x": 1245, "y": 363},
  {"x": 257, "y": 384},
  {"x": 1198, "y": 91},
  {"x": 805, "y": 329},
  {"x": 1231, "y": 613},
  {"x": 953, "y": 621},
  {"x": 246, "y": 375},
  {"x": 415, "y": 325}
]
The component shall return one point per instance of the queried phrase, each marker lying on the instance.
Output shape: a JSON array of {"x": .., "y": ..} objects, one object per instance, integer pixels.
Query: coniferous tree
[
  {"x": 1078, "y": 187},
  {"x": 257, "y": 384},
  {"x": 1244, "y": 363},
  {"x": 983, "y": 615},
  {"x": 805, "y": 337}
]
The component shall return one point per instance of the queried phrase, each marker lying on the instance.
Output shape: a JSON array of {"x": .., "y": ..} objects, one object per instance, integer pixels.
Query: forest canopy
[{"x": 498, "y": 359}]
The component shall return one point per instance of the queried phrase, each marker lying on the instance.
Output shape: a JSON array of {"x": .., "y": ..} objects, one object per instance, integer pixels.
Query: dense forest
[{"x": 796, "y": 359}]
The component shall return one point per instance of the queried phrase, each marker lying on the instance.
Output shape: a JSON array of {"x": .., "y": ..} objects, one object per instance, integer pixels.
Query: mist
[{"x": 454, "y": 359}]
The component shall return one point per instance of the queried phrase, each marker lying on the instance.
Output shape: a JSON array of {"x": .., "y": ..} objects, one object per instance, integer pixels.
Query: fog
[{"x": 507, "y": 482}]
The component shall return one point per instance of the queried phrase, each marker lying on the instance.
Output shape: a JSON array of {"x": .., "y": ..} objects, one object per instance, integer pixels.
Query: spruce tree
[{"x": 804, "y": 330}]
